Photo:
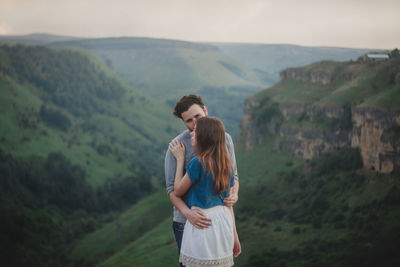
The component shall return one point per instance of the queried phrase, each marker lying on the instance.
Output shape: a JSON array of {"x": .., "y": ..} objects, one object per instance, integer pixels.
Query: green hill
[
  {"x": 323, "y": 212},
  {"x": 368, "y": 84},
  {"x": 53, "y": 99},
  {"x": 129, "y": 229},
  {"x": 77, "y": 146},
  {"x": 82, "y": 151},
  {"x": 297, "y": 213},
  {"x": 167, "y": 69},
  {"x": 326, "y": 195},
  {"x": 34, "y": 39},
  {"x": 267, "y": 60},
  {"x": 224, "y": 74},
  {"x": 330, "y": 210}
]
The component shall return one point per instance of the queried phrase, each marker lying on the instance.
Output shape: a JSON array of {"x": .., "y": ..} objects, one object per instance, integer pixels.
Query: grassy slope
[
  {"x": 134, "y": 128},
  {"x": 280, "y": 241},
  {"x": 131, "y": 227},
  {"x": 129, "y": 132},
  {"x": 294, "y": 243},
  {"x": 167, "y": 69},
  {"x": 259, "y": 172},
  {"x": 156, "y": 247},
  {"x": 224, "y": 74},
  {"x": 372, "y": 85},
  {"x": 278, "y": 215},
  {"x": 270, "y": 239}
]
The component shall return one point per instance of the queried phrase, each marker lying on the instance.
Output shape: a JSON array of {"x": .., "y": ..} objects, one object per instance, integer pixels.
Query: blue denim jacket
[{"x": 170, "y": 165}]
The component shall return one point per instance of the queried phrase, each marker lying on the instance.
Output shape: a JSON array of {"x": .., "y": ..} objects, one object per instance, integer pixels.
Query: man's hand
[
  {"x": 198, "y": 219},
  {"x": 232, "y": 199}
]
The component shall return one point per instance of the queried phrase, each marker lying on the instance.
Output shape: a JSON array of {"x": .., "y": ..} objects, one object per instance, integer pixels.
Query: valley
[{"x": 85, "y": 125}]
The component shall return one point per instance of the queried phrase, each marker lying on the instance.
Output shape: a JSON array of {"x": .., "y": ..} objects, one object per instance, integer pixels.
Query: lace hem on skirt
[{"x": 189, "y": 261}]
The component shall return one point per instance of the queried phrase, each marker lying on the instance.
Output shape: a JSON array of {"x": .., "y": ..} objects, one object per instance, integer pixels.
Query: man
[{"x": 190, "y": 108}]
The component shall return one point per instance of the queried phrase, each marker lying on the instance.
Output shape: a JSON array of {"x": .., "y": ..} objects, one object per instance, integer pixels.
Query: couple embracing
[{"x": 202, "y": 184}]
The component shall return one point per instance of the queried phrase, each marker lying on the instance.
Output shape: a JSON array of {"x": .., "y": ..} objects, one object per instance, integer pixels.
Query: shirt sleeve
[
  {"x": 193, "y": 170},
  {"x": 232, "y": 179},
  {"x": 231, "y": 150},
  {"x": 170, "y": 171}
]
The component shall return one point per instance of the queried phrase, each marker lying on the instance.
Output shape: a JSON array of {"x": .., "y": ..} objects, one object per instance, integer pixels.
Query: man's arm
[
  {"x": 234, "y": 193},
  {"x": 231, "y": 150},
  {"x": 195, "y": 217}
]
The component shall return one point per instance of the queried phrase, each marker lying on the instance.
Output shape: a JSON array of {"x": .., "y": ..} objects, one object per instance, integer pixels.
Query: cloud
[
  {"x": 5, "y": 30},
  {"x": 307, "y": 22}
]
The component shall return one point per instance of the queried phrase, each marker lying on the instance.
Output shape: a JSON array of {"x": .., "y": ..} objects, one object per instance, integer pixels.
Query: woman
[{"x": 208, "y": 178}]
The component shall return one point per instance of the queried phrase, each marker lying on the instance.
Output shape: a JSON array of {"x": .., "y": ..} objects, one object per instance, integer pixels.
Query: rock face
[
  {"x": 249, "y": 136},
  {"x": 375, "y": 132},
  {"x": 306, "y": 76},
  {"x": 307, "y": 143}
]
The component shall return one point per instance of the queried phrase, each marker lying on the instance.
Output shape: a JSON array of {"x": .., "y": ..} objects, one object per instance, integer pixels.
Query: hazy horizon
[{"x": 370, "y": 24}]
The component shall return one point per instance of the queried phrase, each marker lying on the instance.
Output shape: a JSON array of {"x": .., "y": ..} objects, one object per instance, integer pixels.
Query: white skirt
[{"x": 212, "y": 246}]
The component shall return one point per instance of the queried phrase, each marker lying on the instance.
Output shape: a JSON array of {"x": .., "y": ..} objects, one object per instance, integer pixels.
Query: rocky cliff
[
  {"x": 374, "y": 131},
  {"x": 309, "y": 128},
  {"x": 300, "y": 75}
]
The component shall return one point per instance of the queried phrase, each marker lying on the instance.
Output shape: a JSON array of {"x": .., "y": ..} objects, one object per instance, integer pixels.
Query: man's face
[
  {"x": 191, "y": 116},
  {"x": 193, "y": 138}
]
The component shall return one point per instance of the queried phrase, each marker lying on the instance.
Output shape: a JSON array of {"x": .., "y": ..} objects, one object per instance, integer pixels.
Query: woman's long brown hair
[{"x": 212, "y": 151}]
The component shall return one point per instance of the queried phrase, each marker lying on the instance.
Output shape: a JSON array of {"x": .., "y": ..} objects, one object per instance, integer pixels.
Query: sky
[{"x": 340, "y": 23}]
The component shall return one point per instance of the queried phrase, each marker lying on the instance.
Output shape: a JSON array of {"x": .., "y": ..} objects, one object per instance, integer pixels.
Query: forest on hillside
[
  {"x": 51, "y": 144},
  {"x": 82, "y": 150}
]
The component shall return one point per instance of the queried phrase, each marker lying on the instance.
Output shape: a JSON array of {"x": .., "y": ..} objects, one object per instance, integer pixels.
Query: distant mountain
[
  {"x": 167, "y": 69},
  {"x": 224, "y": 74},
  {"x": 81, "y": 153},
  {"x": 34, "y": 39},
  {"x": 267, "y": 60}
]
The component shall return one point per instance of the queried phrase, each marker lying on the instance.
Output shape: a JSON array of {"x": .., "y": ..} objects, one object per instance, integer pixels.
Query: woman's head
[
  {"x": 210, "y": 145},
  {"x": 209, "y": 133}
]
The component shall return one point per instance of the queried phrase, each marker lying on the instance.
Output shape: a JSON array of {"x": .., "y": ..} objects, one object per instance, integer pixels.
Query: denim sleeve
[
  {"x": 170, "y": 170},
  {"x": 231, "y": 150}
]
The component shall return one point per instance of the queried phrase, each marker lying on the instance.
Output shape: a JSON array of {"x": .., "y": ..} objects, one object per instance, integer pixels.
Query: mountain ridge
[
  {"x": 293, "y": 211},
  {"x": 223, "y": 76},
  {"x": 313, "y": 109}
]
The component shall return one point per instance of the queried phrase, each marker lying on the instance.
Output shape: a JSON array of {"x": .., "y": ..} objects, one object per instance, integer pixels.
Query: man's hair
[{"x": 185, "y": 103}]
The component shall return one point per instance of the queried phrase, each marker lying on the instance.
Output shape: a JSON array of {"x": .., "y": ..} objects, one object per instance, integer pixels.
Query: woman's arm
[
  {"x": 237, "y": 249},
  {"x": 182, "y": 182},
  {"x": 182, "y": 185}
]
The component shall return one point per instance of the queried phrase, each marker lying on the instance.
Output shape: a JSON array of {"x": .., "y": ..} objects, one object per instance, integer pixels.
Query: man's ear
[{"x": 205, "y": 110}]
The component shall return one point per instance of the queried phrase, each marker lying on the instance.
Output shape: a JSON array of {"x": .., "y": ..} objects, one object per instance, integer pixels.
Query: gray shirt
[{"x": 170, "y": 165}]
